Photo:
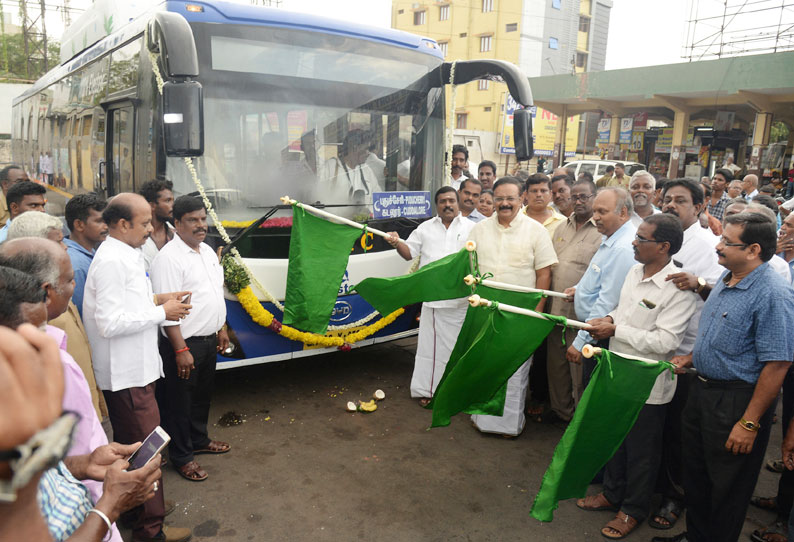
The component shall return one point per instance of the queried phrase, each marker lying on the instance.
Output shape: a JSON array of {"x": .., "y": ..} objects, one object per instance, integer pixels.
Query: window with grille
[
  {"x": 584, "y": 24},
  {"x": 443, "y": 13},
  {"x": 487, "y": 5},
  {"x": 581, "y": 60},
  {"x": 485, "y": 43},
  {"x": 460, "y": 121},
  {"x": 483, "y": 84},
  {"x": 511, "y": 27},
  {"x": 419, "y": 17},
  {"x": 443, "y": 46}
]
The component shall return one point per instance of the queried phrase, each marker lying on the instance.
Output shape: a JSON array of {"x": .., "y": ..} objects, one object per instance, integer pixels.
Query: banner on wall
[
  {"x": 604, "y": 127},
  {"x": 626, "y": 125},
  {"x": 544, "y": 129}
]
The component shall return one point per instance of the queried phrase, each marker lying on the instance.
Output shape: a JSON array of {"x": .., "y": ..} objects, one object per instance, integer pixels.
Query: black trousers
[
  {"x": 785, "y": 487},
  {"x": 670, "y": 481},
  {"x": 185, "y": 403},
  {"x": 630, "y": 476},
  {"x": 717, "y": 484}
]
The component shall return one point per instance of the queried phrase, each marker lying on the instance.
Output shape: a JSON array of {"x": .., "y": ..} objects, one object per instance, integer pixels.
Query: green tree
[
  {"x": 778, "y": 133},
  {"x": 17, "y": 66}
]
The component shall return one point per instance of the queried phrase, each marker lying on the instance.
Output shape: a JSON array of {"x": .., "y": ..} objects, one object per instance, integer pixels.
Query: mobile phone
[
  {"x": 150, "y": 448},
  {"x": 186, "y": 299}
]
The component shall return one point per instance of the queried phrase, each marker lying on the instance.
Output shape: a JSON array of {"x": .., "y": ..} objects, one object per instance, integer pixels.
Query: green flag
[
  {"x": 318, "y": 253},
  {"x": 606, "y": 413},
  {"x": 491, "y": 346},
  {"x": 442, "y": 279}
]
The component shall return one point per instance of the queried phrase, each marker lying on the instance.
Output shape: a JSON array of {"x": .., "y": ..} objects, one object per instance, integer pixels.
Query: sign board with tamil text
[{"x": 402, "y": 204}]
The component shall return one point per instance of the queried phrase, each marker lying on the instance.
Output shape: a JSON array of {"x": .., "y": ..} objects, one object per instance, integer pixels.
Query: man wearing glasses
[
  {"x": 517, "y": 250},
  {"x": 575, "y": 241},
  {"x": 744, "y": 348}
]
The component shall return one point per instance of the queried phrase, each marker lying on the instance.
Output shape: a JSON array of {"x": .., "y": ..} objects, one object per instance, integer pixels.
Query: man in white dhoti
[
  {"x": 517, "y": 250},
  {"x": 441, "y": 320}
]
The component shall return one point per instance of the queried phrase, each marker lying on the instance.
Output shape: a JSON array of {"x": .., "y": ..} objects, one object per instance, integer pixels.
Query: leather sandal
[
  {"x": 619, "y": 527},
  {"x": 595, "y": 503},
  {"x": 192, "y": 471},
  {"x": 214, "y": 447},
  {"x": 669, "y": 511}
]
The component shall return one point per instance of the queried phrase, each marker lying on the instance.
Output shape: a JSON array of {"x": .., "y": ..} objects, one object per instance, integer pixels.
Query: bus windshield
[{"x": 322, "y": 118}]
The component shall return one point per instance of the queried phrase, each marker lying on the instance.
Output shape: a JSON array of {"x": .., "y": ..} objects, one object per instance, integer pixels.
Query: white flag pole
[
  {"x": 589, "y": 351},
  {"x": 471, "y": 280},
  {"x": 477, "y": 301},
  {"x": 286, "y": 200}
]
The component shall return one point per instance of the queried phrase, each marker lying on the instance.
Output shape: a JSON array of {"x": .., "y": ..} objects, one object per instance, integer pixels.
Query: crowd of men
[
  {"x": 664, "y": 269},
  {"x": 133, "y": 298}
]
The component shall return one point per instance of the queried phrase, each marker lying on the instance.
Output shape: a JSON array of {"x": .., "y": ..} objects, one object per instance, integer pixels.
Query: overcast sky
[{"x": 641, "y": 32}]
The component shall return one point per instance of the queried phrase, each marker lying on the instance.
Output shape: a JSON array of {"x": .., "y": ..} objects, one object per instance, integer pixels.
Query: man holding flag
[
  {"x": 649, "y": 322},
  {"x": 440, "y": 321},
  {"x": 516, "y": 250}
]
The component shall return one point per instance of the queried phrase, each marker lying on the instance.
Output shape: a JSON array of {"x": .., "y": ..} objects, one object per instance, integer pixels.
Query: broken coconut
[
  {"x": 379, "y": 395},
  {"x": 351, "y": 406}
]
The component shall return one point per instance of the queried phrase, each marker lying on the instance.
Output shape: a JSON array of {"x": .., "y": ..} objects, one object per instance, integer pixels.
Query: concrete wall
[
  {"x": 599, "y": 30},
  {"x": 8, "y": 91}
]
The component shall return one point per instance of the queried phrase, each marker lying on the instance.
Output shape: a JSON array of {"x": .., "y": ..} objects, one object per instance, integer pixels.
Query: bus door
[{"x": 119, "y": 163}]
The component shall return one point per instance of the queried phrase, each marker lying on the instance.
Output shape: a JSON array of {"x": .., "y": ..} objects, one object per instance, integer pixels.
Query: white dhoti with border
[
  {"x": 439, "y": 326},
  {"x": 513, "y": 420}
]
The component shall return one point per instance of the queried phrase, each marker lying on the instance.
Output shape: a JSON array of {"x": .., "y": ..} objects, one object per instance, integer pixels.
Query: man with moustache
[
  {"x": 537, "y": 197},
  {"x": 9, "y": 176},
  {"x": 516, "y": 250},
  {"x": 719, "y": 198},
  {"x": 598, "y": 291},
  {"x": 649, "y": 321},
  {"x": 486, "y": 174},
  {"x": 458, "y": 163},
  {"x": 744, "y": 348},
  {"x": 734, "y": 189},
  {"x": 189, "y": 346},
  {"x": 87, "y": 230},
  {"x": 699, "y": 272},
  {"x": 561, "y": 194},
  {"x": 160, "y": 195},
  {"x": 642, "y": 188},
  {"x": 575, "y": 241},
  {"x": 469, "y": 192},
  {"x": 440, "y": 321},
  {"x": 122, "y": 316}
]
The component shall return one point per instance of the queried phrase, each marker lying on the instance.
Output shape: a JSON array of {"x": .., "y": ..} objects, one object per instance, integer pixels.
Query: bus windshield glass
[{"x": 322, "y": 118}]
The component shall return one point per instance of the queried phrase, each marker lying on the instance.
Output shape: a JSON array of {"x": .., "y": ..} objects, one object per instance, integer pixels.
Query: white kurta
[
  {"x": 512, "y": 255},
  {"x": 440, "y": 321}
]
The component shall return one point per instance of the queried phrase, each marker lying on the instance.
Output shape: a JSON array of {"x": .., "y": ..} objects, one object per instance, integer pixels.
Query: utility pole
[
  {"x": 44, "y": 36},
  {"x": 5, "y": 41},
  {"x": 23, "y": 11}
]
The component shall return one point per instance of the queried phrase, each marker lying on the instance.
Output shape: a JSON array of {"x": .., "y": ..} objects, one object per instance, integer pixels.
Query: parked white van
[{"x": 598, "y": 168}]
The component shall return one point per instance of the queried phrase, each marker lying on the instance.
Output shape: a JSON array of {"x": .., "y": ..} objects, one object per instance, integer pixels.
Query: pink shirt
[{"x": 88, "y": 434}]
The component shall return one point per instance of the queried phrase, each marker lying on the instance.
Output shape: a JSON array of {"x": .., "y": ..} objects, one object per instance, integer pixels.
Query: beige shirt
[
  {"x": 513, "y": 253},
  {"x": 79, "y": 348},
  {"x": 650, "y": 321},
  {"x": 4, "y": 214},
  {"x": 575, "y": 249}
]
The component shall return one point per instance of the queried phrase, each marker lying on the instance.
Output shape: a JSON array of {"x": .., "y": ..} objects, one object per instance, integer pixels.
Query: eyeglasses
[
  {"x": 581, "y": 197},
  {"x": 511, "y": 199},
  {"x": 641, "y": 239},
  {"x": 727, "y": 244}
]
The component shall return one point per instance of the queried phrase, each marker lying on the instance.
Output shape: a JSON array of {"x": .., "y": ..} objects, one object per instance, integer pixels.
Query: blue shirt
[
  {"x": 598, "y": 291},
  {"x": 64, "y": 501},
  {"x": 744, "y": 326},
  {"x": 81, "y": 261}
]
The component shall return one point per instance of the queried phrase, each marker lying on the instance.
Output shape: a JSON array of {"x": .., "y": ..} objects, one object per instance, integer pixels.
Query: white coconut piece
[
  {"x": 351, "y": 406},
  {"x": 379, "y": 395}
]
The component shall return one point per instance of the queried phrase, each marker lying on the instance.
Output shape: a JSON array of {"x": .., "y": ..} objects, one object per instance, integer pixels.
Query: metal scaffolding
[{"x": 718, "y": 28}]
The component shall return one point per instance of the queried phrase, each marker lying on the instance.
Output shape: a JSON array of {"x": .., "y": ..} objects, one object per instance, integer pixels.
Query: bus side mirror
[
  {"x": 522, "y": 134},
  {"x": 183, "y": 118}
]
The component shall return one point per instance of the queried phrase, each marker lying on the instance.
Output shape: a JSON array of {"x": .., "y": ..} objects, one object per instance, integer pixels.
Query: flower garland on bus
[
  {"x": 451, "y": 125},
  {"x": 241, "y": 275}
]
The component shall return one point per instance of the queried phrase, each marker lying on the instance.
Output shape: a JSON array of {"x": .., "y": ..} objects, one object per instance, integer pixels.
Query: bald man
[
  {"x": 750, "y": 187},
  {"x": 122, "y": 318}
]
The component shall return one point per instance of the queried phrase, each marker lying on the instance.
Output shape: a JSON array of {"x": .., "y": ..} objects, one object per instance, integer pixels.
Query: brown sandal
[
  {"x": 619, "y": 527},
  {"x": 214, "y": 447},
  {"x": 595, "y": 503},
  {"x": 192, "y": 471}
]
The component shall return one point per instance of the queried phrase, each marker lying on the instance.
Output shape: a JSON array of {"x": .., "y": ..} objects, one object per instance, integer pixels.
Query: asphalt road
[{"x": 303, "y": 469}]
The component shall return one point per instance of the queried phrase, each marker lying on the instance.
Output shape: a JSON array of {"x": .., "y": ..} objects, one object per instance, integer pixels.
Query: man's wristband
[
  {"x": 185, "y": 349},
  {"x": 750, "y": 426}
]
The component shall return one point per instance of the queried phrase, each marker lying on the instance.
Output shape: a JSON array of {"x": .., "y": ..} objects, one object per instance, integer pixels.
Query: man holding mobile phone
[{"x": 189, "y": 347}]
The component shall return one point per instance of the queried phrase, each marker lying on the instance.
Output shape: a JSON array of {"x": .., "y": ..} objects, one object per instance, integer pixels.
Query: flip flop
[
  {"x": 669, "y": 510},
  {"x": 214, "y": 447}
]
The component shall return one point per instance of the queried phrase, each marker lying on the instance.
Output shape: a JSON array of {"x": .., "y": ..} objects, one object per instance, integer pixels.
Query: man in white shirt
[
  {"x": 469, "y": 192},
  {"x": 160, "y": 195},
  {"x": 750, "y": 187},
  {"x": 189, "y": 347},
  {"x": 121, "y": 315},
  {"x": 699, "y": 272},
  {"x": 649, "y": 321},
  {"x": 516, "y": 250},
  {"x": 459, "y": 162},
  {"x": 348, "y": 179},
  {"x": 440, "y": 321},
  {"x": 642, "y": 188}
]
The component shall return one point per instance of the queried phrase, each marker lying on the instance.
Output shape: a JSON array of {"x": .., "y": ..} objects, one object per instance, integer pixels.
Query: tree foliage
[{"x": 14, "y": 63}]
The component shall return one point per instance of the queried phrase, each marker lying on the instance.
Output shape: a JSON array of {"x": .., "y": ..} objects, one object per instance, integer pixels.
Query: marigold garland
[{"x": 265, "y": 318}]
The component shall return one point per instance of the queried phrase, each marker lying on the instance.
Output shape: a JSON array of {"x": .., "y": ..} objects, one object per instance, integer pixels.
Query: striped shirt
[{"x": 63, "y": 500}]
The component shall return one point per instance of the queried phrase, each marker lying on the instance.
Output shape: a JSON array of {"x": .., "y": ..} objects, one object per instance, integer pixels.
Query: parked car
[{"x": 598, "y": 168}]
